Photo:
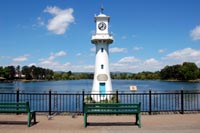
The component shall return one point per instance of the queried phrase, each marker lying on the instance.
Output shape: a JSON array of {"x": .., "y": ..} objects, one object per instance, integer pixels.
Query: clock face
[{"x": 102, "y": 26}]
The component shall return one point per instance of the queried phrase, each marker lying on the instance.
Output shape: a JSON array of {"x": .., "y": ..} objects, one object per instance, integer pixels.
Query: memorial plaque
[{"x": 102, "y": 77}]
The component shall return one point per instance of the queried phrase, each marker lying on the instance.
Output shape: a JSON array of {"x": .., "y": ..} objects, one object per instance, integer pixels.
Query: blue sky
[{"x": 56, "y": 34}]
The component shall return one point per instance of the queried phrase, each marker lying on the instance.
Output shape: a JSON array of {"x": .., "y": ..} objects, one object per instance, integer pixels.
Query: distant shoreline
[
  {"x": 22, "y": 80},
  {"x": 39, "y": 80},
  {"x": 33, "y": 80},
  {"x": 190, "y": 81}
]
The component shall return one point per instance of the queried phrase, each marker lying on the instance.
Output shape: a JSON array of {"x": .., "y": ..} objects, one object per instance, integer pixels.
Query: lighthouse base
[
  {"x": 98, "y": 97},
  {"x": 101, "y": 90}
]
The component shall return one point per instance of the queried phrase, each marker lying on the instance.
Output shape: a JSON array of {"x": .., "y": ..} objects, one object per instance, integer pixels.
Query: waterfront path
[{"x": 170, "y": 123}]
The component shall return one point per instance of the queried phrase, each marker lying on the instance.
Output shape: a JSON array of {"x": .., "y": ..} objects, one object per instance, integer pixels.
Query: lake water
[
  {"x": 65, "y": 102},
  {"x": 79, "y": 85}
]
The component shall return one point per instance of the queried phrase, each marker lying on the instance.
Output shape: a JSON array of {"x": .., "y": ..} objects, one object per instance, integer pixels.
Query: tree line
[
  {"x": 29, "y": 73},
  {"x": 72, "y": 76},
  {"x": 39, "y": 73},
  {"x": 184, "y": 72}
]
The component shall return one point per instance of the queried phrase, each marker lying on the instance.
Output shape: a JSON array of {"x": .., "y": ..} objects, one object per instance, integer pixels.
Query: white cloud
[
  {"x": 50, "y": 61},
  {"x": 133, "y": 36},
  {"x": 161, "y": 50},
  {"x": 184, "y": 54},
  {"x": 133, "y": 64},
  {"x": 129, "y": 59},
  {"x": 67, "y": 66},
  {"x": 137, "y": 48},
  {"x": 81, "y": 68},
  {"x": 40, "y": 21},
  {"x": 195, "y": 33},
  {"x": 4, "y": 57},
  {"x": 122, "y": 67},
  {"x": 20, "y": 58},
  {"x": 61, "y": 53},
  {"x": 92, "y": 32},
  {"x": 112, "y": 50},
  {"x": 32, "y": 64},
  {"x": 93, "y": 49},
  {"x": 150, "y": 61},
  {"x": 78, "y": 54},
  {"x": 55, "y": 65},
  {"x": 150, "y": 64},
  {"x": 124, "y": 37},
  {"x": 61, "y": 19},
  {"x": 117, "y": 50},
  {"x": 187, "y": 54},
  {"x": 46, "y": 62}
]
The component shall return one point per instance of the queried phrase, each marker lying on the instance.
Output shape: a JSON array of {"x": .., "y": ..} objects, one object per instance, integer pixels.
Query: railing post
[
  {"x": 83, "y": 98},
  {"x": 17, "y": 98},
  {"x": 150, "y": 109},
  {"x": 117, "y": 96},
  {"x": 182, "y": 102},
  {"x": 49, "y": 101},
  {"x": 17, "y": 95}
]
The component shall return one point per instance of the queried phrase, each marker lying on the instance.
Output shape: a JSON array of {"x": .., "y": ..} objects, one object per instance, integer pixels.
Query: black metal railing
[{"x": 50, "y": 102}]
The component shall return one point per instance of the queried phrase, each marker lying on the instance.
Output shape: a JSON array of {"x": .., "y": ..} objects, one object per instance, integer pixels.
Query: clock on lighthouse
[
  {"x": 102, "y": 82},
  {"x": 102, "y": 26}
]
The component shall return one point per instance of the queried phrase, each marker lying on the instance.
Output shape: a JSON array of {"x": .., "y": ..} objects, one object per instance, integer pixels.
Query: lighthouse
[{"x": 101, "y": 39}]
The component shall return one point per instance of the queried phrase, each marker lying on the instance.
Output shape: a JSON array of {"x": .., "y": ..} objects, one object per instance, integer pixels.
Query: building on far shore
[{"x": 2, "y": 79}]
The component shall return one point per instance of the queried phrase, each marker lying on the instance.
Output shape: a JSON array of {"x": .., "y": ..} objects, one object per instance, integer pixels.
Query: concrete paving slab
[{"x": 174, "y": 123}]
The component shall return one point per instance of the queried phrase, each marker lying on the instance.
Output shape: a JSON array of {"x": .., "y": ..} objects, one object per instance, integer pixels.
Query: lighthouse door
[{"x": 102, "y": 89}]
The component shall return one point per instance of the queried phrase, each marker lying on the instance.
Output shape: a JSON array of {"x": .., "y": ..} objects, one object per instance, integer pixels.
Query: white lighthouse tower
[{"x": 102, "y": 81}]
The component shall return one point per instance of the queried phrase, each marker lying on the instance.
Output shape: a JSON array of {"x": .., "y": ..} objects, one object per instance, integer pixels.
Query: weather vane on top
[{"x": 102, "y": 8}]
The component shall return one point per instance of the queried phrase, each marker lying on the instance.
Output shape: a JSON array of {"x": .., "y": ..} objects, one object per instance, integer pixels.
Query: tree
[
  {"x": 57, "y": 76},
  {"x": 65, "y": 76},
  {"x": 176, "y": 72},
  {"x": 156, "y": 75},
  {"x": 18, "y": 73},
  {"x": 9, "y": 72},
  {"x": 186, "y": 71},
  {"x": 1, "y": 71},
  {"x": 171, "y": 72},
  {"x": 189, "y": 71},
  {"x": 72, "y": 77},
  {"x": 199, "y": 74},
  {"x": 26, "y": 71},
  {"x": 34, "y": 72},
  {"x": 48, "y": 74}
]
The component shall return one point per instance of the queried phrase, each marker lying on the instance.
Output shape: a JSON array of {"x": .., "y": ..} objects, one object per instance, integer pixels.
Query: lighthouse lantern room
[{"x": 102, "y": 82}]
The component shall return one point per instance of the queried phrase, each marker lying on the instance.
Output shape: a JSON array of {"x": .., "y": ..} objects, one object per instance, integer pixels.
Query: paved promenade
[{"x": 174, "y": 123}]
